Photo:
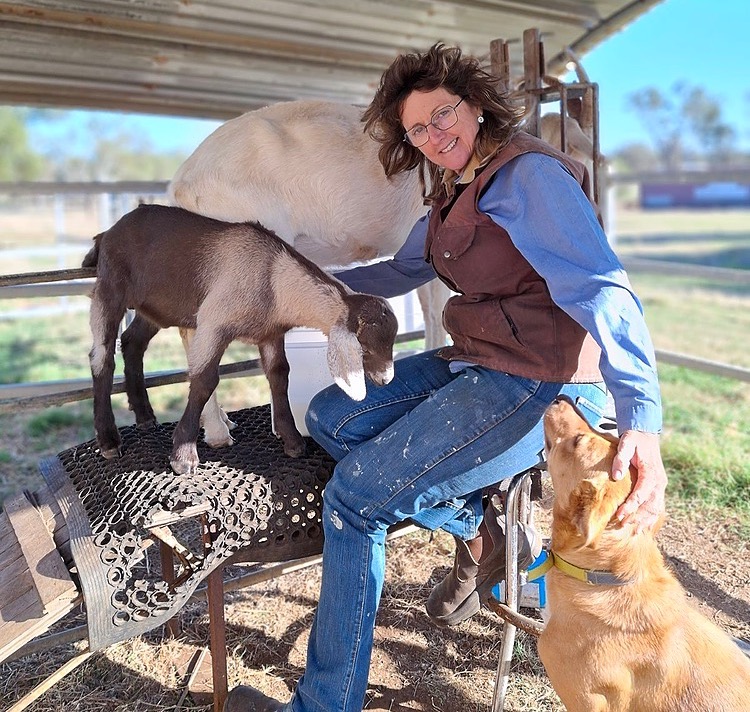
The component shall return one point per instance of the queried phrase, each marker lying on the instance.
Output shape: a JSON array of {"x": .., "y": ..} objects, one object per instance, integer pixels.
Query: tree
[
  {"x": 18, "y": 161},
  {"x": 99, "y": 147},
  {"x": 686, "y": 120},
  {"x": 703, "y": 115}
]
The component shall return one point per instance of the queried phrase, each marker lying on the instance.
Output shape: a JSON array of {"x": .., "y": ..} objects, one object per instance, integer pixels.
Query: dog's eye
[{"x": 578, "y": 439}]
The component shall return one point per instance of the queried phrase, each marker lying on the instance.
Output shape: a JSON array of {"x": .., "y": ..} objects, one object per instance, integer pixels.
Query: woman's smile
[{"x": 449, "y": 148}]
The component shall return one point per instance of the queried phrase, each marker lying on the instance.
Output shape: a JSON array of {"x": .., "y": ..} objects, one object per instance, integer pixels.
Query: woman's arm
[
  {"x": 405, "y": 271},
  {"x": 552, "y": 223}
]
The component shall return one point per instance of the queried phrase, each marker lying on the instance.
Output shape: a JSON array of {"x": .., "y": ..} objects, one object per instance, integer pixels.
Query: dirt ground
[{"x": 415, "y": 665}]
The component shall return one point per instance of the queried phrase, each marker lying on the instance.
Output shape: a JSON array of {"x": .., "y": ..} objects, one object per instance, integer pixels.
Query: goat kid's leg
[
  {"x": 134, "y": 342},
  {"x": 184, "y": 458},
  {"x": 276, "y": 367},
  {"x": 206, "y": 350},
  {"x": 216, "y": 425},
  {"x": 104, "y": 319}
]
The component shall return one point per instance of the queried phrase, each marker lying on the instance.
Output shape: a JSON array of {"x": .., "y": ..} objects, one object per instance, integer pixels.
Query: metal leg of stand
[{"x": 516, "y": 510}]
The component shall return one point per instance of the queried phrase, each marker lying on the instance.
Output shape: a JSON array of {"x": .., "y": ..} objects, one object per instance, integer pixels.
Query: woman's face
[{"x": 450, "y": 148}]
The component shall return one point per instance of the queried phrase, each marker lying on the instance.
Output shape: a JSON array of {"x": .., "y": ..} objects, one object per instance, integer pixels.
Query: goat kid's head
[{"x": 361, "y": 344}]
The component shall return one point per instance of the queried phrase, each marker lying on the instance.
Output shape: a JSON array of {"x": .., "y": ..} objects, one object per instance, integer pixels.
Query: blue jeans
[{"x": 421, "y": 448}]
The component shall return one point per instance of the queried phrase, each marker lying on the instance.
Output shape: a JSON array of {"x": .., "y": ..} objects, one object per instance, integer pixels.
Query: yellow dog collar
[{"x": 601, "y": 578}]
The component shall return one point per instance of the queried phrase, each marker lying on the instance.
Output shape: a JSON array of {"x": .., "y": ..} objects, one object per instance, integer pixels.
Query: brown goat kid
[{"x": 227, "y": 281}]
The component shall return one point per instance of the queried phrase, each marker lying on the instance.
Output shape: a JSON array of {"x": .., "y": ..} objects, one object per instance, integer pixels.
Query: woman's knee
[
  {"x": 325, "y": 411},
  {"x": 342, "y": 501}
]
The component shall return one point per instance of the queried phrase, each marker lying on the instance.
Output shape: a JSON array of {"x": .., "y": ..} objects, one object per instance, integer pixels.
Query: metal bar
[
  {"x": 739, "y": 175},
  {"x": 56, "y": 275},
  {"x": 43, "y": 395},
  {"x": 13, "y": 404},
  {"x": 172, "y": 626},
  {"x": 721, "y": 274},
  {"x": 600, "y": 32},
  {"x": 513, "y": 501},
  {"x": 268, "y": 573},
  {"x": 83, "y": 187},
  {"x": 74, "y": 288},
  {"x": 533, "y": 64},
  {"x": 699, "y": 364}
]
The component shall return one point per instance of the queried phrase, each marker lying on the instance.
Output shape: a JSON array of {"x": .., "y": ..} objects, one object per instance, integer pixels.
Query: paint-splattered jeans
[{"x": 422, "y": 447}]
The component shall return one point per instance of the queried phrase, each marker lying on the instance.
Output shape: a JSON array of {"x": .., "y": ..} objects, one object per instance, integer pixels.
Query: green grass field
[{"x": 706, "y": 438}]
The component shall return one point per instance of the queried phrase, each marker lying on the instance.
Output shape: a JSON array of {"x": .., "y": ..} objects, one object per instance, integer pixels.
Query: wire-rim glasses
[{"x": 442, "y": 119}]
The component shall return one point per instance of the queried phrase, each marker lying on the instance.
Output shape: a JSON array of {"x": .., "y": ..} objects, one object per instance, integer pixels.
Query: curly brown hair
[{"x": 439, "y": 66}]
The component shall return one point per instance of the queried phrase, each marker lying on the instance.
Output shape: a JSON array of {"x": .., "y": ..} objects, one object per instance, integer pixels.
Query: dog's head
[{"x": 579, "y": 460}]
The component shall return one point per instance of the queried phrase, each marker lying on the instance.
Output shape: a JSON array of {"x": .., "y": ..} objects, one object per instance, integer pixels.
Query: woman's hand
[{"x": 645, "y": 505}]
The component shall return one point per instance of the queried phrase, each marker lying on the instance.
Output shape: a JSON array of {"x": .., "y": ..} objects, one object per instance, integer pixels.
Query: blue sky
[{"x": 697, "y": 41}]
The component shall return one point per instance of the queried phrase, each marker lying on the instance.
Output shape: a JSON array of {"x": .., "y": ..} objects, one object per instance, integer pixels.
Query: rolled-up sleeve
[
  {"x": 405, "y": 271},
  {"x": 552, "y": 223}
]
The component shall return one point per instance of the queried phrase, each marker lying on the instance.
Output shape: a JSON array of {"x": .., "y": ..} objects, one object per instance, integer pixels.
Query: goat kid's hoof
[
  {"x": 294, "y": 448},
  {"x": 182, "y": 467},
  {"x": 218, "y": 442},
  {"x": 111, "y": 453},
  {"x": 184, "y": 459}
]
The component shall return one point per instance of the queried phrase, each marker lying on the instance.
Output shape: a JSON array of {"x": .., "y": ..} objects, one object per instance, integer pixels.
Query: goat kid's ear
[{"x": 345, "y": 362}]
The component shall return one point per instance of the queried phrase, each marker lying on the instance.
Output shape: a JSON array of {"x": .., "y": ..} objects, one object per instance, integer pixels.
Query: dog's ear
[
  {"x": 590, "y": 510},
  {"x": 345, "y": 362}
]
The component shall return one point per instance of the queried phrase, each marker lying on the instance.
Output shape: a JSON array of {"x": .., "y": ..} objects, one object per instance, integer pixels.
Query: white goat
[
  {"x": 226, "y": 281},
  {"x": 307, "y": 171}
]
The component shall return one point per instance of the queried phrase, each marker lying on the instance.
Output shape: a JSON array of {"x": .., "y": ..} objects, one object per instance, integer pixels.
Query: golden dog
[{"x": 630, "y": 642}]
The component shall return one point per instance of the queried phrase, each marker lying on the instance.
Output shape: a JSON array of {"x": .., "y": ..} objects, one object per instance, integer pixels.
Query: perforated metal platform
[{"x": 248, "y": 502}]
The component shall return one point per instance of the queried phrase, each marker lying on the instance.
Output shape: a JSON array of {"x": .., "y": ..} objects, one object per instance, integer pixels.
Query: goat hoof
[
  {"x": 111, "y": 453},
  {"x": 147, "y": 424},
  {"x": 295, "y": 449},
  {"x": 183, "y": 468},
  {"x": 214, "y": 442}
]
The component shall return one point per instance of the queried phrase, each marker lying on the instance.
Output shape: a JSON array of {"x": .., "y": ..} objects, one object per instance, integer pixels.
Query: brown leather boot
[
  {"x": 460, "y": 594},
  {"x": 456, "y": 598},
  {"x": 244, "y": 698}
]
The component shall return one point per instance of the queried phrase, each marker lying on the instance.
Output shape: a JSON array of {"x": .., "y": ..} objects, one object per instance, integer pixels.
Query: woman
[{"x": 543, "y": 308}]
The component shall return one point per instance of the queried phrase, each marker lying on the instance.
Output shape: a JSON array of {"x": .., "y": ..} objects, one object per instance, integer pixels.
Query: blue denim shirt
[{"x": 552, "y": 223}]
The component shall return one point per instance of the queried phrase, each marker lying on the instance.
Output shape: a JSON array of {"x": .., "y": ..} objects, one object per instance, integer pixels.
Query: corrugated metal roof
[{"x": 218, "y": 59}]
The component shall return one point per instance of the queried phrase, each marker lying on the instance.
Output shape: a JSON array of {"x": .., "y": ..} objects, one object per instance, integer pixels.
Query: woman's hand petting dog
[{"x": 645, "y": 504}]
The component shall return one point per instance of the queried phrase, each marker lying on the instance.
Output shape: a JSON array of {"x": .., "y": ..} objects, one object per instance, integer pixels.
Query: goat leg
[
  {"x": 203, "y": 381},
  {"x": 276, "y": 367},
  {"x": 214, "y": 421},
  {"x": 134, "y": 342},
  {"x": 104, "y": 325}
]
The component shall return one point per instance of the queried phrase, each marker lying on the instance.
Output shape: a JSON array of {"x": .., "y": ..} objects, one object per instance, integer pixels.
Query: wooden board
[{"x": 36, "y": 589}]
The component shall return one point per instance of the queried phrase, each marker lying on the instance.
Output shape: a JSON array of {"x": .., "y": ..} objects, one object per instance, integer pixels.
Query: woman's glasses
[{"x": 442, "y": 119}]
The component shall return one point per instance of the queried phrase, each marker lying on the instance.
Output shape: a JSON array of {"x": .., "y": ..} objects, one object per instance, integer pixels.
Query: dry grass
[{"x": 416, "y": 666}]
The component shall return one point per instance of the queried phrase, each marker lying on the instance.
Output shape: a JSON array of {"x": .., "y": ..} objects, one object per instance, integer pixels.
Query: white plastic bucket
[{"x": 306, "y": 351}]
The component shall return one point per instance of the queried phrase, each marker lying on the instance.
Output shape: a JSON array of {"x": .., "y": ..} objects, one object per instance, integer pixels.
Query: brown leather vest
[{"x": 503, "y": 316}]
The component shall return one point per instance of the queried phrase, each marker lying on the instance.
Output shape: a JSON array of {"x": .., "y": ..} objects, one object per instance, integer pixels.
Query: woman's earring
[{"x": 480, "y": 119}]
